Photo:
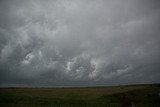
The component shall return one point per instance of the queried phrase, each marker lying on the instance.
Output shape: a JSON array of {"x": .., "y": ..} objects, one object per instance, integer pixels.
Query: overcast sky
[{"x": 79, "y": 42}]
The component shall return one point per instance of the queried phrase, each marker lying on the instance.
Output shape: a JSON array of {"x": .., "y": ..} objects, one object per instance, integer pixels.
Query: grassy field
[{"x": 122, "y": 96}]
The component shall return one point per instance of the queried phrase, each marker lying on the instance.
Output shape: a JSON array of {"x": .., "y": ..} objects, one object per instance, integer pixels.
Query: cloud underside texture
[{"x": 79, "y": 42}]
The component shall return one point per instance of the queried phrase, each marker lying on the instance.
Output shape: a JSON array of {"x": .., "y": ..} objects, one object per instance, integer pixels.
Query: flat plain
[{"x": 118, "y": 96}]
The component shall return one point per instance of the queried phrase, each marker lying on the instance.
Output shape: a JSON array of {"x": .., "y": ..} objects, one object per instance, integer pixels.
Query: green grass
[{"x": 140, "y": 96}]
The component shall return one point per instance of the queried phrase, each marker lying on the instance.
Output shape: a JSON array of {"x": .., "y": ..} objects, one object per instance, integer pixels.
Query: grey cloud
[{"x": 79, "y": 43}]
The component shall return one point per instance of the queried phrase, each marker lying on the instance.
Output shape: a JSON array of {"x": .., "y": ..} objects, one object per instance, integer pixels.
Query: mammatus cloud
[{"x": 79, "y": 42}]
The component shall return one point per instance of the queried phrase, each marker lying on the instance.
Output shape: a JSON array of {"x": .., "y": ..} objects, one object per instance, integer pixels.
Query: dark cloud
[{"x": 79, "y": 43}]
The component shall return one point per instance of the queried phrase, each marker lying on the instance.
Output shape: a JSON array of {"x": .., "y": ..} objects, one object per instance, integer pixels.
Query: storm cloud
[{"x": 79, "y": 42}]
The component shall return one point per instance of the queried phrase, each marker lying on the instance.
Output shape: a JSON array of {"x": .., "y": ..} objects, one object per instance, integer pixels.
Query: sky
[{"x": 60, "y": 43}]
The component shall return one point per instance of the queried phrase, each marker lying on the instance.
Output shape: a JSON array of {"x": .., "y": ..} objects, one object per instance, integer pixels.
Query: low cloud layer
[{"x": 79, "y": 42}]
